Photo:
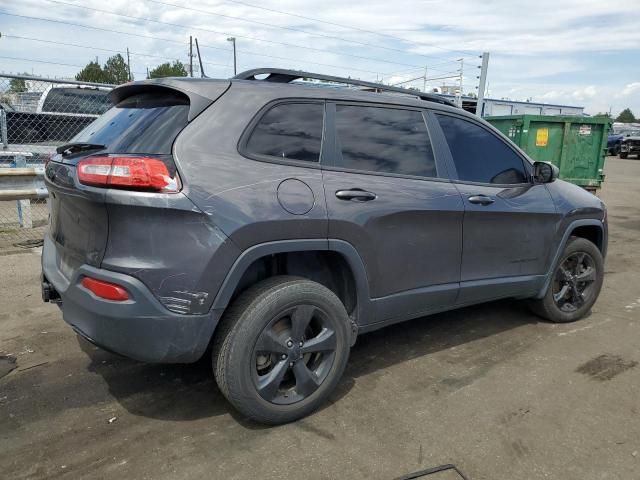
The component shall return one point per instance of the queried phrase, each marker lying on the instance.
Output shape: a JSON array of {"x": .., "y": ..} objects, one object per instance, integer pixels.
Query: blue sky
[{"x": 576, "y": 52}]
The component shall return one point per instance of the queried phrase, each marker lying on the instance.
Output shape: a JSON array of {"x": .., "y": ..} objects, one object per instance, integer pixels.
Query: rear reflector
[
  {"x": 106, "y": 290},
  {"x": 129, "y": 172}
]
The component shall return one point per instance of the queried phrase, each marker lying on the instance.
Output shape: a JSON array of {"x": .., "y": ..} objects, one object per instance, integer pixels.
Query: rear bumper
[{"x": 140, "y": 328}]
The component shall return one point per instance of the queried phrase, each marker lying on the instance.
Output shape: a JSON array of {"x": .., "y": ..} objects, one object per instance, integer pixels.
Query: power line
[
  {"x": 138, "y": 54},
  {"x": 228, "y": 34},
  {"x": 21, "y": 59},
  {"x": 246, "y": 52},
  {"x": 293, "y": 29},
  {"x": 350, "y": 27},
  {"x": 62, "y": 22}
]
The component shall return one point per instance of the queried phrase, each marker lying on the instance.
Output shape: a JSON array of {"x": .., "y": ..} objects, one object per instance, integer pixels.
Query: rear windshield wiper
[{"x": 70, "y": 148}]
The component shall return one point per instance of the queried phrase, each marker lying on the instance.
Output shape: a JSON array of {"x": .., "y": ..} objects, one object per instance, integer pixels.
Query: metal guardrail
[
  {"x": 23, "y": 204},
  {"x": 22, "y": 183}
]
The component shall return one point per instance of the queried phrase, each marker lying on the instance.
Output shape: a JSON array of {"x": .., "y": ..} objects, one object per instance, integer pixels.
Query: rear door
[
  {"x": 388, "y": 196},
  {"x": 509, "y": 222}
]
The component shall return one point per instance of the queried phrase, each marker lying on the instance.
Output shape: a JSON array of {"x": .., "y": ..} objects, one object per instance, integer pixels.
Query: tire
[
  {"x": 258, "y": 331},
  {"x": 574, "y": 304},
  {"x": 624, "y": 155}
]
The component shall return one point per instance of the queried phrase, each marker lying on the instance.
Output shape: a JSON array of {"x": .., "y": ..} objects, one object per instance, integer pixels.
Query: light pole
[{"x": 233, "y": 40}]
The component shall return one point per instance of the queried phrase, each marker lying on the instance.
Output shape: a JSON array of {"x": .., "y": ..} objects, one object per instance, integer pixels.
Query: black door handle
[
  {"x": 481, "y": 199},
  {"x": 355, "y": 194}
]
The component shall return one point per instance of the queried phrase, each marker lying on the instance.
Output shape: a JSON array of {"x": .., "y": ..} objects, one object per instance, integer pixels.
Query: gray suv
[{"x": 267, "y": 221}]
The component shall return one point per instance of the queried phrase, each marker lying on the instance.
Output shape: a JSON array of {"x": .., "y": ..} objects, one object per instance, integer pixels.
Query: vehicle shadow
[{"x": 189, "y": 392}]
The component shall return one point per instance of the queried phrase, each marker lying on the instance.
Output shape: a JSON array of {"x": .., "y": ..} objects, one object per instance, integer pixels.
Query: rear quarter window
[
  {"x": 289, "y": 131},
  {"x": 143, "y": 123}
]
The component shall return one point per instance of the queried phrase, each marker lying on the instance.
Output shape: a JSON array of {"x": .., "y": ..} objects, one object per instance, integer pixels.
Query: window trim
[
  {"x": 332, "y": 152},
  {"x": 250, "y": 127},
  {"x": 453, "y": 171}
]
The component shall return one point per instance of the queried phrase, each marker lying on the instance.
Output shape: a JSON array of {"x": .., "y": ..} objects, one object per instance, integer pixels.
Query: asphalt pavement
[{"x": 491, "y": 389}]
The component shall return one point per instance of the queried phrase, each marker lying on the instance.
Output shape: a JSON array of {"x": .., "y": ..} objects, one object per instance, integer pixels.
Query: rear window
[
  {"x": 83, "y": 101},
  {"x": 290, "y": 131},
  {"x": 143, "y": 123}
]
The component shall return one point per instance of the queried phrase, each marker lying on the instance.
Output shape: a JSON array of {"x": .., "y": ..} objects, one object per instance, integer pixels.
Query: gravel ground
[{"x": 491, "y": 389}]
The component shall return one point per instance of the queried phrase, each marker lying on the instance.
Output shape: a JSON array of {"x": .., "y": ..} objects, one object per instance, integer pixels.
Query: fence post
[
  {"x": 24, "y": 206},
  {"x": 3, "y": 129}
]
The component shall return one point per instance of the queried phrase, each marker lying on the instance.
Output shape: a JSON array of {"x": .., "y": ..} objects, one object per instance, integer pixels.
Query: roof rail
[{"x": 280, "y": 75}]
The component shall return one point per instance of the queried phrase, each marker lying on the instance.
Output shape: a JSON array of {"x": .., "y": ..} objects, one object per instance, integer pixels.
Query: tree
[
  {"x": 177, "y": 69},
  {"x": 17, "y": 85},
  {"x": 116, "y": 70},
  {"x": 626, "y": 116},
  {"x": 92, "y": 73},
  {"x": 603, "y": 114}
]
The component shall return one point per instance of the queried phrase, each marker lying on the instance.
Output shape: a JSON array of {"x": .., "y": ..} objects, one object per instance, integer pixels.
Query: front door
[
  {"x": 386, "y": 196},
  {"x": 509, "y": 222}
]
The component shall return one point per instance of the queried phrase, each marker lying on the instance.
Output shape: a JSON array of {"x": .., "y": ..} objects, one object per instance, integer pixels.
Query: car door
[
  {"x": 389, "y": 196},
  {"x": 509, "y": 221}
]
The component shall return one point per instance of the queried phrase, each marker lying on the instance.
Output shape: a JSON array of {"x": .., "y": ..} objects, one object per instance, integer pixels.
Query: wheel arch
[
  {"x": 589, "y": 229},
  {"x": 243, "y": 267}
]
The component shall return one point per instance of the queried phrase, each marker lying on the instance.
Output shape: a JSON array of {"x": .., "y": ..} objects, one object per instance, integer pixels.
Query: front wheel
[
  {"x": 624, "y": 155},
  {"x": 281, "y": 349},
  {"x": 575, "y": 285}
]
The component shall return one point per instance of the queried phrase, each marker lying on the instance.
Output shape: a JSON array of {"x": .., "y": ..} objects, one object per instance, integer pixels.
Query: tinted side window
[
  {"x": 291, "y": 131},
  {"x": 480, "y": 156},
  {"x": 384, "y": 140}
]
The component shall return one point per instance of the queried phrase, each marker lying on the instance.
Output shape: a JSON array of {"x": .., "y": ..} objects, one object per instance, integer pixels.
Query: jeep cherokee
[{"x": 273, "y": 221}]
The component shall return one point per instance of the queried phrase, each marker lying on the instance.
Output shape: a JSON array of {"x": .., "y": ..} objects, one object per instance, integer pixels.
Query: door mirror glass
[{"x": 544, "y": 172}]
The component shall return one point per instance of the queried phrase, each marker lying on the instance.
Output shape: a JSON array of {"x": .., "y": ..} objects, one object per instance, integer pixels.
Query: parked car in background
[
  {"x": 613, "y": 143},
  {"x": 274, "y": 222},
  {"x": 630, "y": 146},
  {"x": 55, "y": 115}
]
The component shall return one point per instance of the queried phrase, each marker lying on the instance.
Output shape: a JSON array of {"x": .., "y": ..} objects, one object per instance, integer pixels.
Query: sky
[{"x": 570, "y": 52}]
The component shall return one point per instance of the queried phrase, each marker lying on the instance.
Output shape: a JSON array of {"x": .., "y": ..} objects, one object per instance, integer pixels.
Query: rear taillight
[
  {"x": 133, "y": 172},
  {"x": 106, "y": 290}
]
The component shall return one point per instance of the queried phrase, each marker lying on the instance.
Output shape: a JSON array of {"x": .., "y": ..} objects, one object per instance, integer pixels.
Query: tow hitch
[{"x": 49, "y": 293}]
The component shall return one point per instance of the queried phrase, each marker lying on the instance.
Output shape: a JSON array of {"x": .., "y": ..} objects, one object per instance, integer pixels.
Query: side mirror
[{"x": 544, "y": 172}]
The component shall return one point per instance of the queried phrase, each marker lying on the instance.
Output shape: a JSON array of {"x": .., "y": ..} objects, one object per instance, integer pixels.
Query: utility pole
[
  {"x": 129, "y": 64},
  {"x": 147, "y": 73},
  {"x": 233, "y": 40},
  {"x": 190, "y": 56},
  {"x": 424, "y": 83},
  {"x": 483, "y": 83},
  {"x": 461, "y": 60},
  {"x": 202, "y": 75}
]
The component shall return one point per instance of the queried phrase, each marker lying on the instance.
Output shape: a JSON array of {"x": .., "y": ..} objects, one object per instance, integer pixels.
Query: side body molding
[
  {"x": 561, "y": 246},
  {"x": 364, "y": 304}
]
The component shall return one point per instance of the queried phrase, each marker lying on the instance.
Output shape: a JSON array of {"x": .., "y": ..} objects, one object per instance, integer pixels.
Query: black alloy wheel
[
  {"x": 573, "y": 285},
  {"x": 293, "y": 354}
]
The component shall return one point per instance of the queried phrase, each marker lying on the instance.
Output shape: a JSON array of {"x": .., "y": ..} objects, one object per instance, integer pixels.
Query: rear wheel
[
  {"x": 281, "y": 349},
  {"x": 575, "y": 285}
]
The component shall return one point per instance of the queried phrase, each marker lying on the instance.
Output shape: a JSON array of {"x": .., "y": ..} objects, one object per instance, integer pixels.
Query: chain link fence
[{"x": 36, "y": 116}]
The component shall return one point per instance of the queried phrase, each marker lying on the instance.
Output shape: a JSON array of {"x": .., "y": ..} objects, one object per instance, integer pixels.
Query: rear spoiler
[{"x": 201, "y": 92}]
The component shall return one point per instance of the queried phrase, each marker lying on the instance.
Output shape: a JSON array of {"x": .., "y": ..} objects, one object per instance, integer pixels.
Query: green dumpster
[{"x": 576, "y": 145}]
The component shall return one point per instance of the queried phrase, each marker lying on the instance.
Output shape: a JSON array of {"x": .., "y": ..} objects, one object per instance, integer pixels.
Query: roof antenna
[{"x": 202, "y": 75}]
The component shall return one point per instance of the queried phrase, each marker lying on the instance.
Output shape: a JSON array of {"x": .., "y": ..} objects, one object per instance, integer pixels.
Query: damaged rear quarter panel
[{"x": 170, "y": 245}]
